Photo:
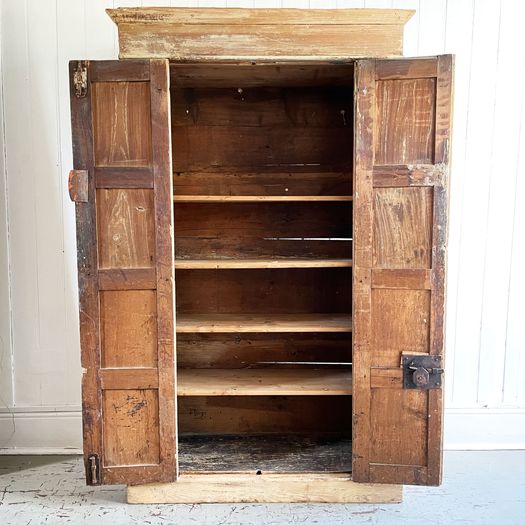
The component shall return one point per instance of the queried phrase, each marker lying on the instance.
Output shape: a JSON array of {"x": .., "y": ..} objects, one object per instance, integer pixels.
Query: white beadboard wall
[{"x": 39, "y": 348}]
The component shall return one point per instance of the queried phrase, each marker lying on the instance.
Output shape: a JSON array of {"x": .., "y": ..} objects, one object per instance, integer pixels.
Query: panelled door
[
  {"x": 402, "y": 125},
  {"x": 122, "y": 188}
]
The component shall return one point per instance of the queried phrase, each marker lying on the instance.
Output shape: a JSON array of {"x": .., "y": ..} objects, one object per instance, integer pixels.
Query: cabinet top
[{"x": 217, "y": 34}]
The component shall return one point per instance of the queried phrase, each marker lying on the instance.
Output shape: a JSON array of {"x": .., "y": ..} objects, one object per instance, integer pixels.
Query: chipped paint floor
[{"x": 479, "y": 488}]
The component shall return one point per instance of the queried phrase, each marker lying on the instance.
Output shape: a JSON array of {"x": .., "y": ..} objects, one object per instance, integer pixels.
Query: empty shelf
[
  {"x": 261, "y": 198},
  {"x": 232, "y": 323},
  {"x": 226, "y": 264},
  {"x": 266, "y": 453},
  {"x": 265, "y": 382}
]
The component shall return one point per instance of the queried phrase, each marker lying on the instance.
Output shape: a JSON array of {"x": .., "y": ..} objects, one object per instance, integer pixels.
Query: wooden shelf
[
  {"x": 261, "y": 198},
  {"x": 228, "y": 264},
  {"x": 226, "y": 323},
  {"x": 267, "y": 453},
  {"x": 265, "y": 382}
]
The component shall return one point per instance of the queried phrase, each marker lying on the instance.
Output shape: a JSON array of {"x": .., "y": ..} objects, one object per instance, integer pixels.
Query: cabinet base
[{"x": 265, "y": 488}]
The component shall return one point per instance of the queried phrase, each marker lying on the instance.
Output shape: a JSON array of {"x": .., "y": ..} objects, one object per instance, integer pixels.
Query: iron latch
[
  {"x": 422, "y": 371},
  {"x": 93, "y": 469}
]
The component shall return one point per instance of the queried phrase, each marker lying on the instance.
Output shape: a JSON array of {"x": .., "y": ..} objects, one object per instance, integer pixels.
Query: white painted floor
[{"x": 480, "y": 488}]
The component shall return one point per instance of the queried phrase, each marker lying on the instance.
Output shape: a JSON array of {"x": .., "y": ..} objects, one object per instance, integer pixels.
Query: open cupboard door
[
  {"x": 122, "y": 188},
  {"x": 402, "y": 119}
]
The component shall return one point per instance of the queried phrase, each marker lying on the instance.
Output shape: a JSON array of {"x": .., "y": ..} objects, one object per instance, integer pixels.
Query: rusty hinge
[
  {"x": 80, "y": 79},
  {"x": 93, "y": 469},
  {"x": 422, "y": 371},
  {"x": 78, "y": 185}
]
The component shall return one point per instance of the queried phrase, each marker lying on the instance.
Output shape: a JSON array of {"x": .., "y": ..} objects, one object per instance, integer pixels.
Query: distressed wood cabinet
[{"x": 261, "y": 220}]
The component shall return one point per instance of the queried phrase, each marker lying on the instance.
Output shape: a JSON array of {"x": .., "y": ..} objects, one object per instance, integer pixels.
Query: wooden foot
[{"x": 265, "y": 488}]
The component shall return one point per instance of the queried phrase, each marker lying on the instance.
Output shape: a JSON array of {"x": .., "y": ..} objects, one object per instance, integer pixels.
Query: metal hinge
[
  {"x": 80, "y": 79},
  {"x": 422, "y": 371},
  {"x": 93, "y": 469}
]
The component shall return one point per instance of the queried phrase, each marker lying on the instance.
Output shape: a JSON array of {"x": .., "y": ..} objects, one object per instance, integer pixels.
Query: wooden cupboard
[{"x": 261, "y": 256}]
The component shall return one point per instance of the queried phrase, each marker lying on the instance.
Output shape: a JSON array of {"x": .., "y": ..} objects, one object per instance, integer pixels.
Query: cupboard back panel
[
  {"x": 256, "y": 127},
  {"x": 269, "y": 291},
  {"x": 270, "y": 247},
  {"x": 252, "y": 350},
  {"x": 244, "y": 229},
  {"x": 254, "y": 415},
  {"x": 297, "y": 180}
]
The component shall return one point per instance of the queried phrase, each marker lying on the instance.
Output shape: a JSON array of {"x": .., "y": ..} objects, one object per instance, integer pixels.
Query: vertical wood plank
[
  {"x": 164, "y": 260},
  {"x": 444, "y": 93},
  {"x": 362, "y": 260},
  {"x": 81, "y": 127}
]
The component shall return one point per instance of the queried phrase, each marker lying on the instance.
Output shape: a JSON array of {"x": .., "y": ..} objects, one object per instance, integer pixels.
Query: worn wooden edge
[
  {"x": 444, "y": 105},
  {"x": 409, "y": 175},
  {"x": 362, "y": 259},
  {"x": 164, "y": 264},
  {"x": 127, "y": 279},
  {"x": 239, "y": 16},
  {"x": 128, "y": 178},
  {"x": 119, "y": 71},
  {"x": 87, "y": 260},
  {"x": 266, "y": 488},
  {"x": 406, "y": 279},
  {"x": 129, "y": 378},
  {"x": 409, "y": 474},
  {"x": 261, "y": 382}
]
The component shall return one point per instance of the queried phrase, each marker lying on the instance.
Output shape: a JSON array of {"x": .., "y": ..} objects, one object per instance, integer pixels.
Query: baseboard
[
  {"x": 484, "y": 429},
  {"x": 58, "y": 430},
  {"x": 41, "y": 430}
]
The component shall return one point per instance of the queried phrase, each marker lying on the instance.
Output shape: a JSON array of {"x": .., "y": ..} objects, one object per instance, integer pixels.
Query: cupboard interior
[{"x": 262, "y": 188}]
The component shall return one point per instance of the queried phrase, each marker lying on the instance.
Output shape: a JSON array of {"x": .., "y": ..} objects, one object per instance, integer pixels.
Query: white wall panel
[{"x": 39, "y": 349}]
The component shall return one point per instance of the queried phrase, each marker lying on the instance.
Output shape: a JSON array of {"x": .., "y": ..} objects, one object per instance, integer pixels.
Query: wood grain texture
[
  {"x": 400, "y": 323},
  {"x": 269, "y": 488},
  {"x": 265, "y": 291},
  {"x": 131, "y": 427},
  {"x": 405, "y": 297},
  {"x": 406, "y": 121},
  {"x": 228, "y": 264},
  {"x": 121, "y": 123},
  {"x": 226, "y": 323},
  {"x": 263, "y": 107},
  {"x": 248, "y": 147},
  {"x": 125, "y": 246},
  {"x": 307, "y": 182},
  {"x": 248, "y": 415},
  {"x": 223, "y": 350},
  {"x": 362, "y": 258},
  {"x": 126, "y": 228},
  {"x": 297, "y": 382},
  {"x": 189, "y": 35},
  {"x": 234, "y": 16},
  {"x": 123, "y": 177},
  {"x": 128, "y": 328},
  {"x": 260, "y": 74},
  {"x": 402, "y": 227},
  {"x": 87, "y": 264},
  {"x": 164, "y": 264}
]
